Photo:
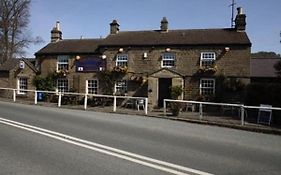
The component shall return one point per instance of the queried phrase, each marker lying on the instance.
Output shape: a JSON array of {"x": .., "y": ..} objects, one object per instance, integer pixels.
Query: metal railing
[
  {"x": 86, "y": 97},
  {"x": 242, "y": 108}
]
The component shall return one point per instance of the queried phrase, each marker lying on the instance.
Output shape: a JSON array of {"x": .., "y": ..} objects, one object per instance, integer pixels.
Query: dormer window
[
  {"x": 168, "y": 59},
  {"x": 207, "y": 59},
  {"x": 122, "y": 60},
  {"x": 62, "y": 62}
]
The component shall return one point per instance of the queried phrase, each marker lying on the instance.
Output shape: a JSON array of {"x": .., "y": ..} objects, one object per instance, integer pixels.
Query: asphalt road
[{"x": 209, "y": 149}]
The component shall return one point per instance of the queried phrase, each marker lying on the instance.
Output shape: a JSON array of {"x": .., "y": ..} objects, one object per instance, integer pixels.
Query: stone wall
[
  {"x": 235, "y": 62},
  {"x": 232, "y": 63}
]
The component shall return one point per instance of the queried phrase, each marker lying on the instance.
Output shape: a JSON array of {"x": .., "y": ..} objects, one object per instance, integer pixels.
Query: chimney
[
  {"x": 164, "y": 25},
  {"x": 240, "y": 20},
  {"x": 56, "y": 34},
  {"x": 114, "y": 27}
]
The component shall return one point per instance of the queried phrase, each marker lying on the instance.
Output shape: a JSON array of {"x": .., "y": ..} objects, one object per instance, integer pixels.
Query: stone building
[
  {"x": 151, "y": 61},
  {"x": 17, "y": 74}
]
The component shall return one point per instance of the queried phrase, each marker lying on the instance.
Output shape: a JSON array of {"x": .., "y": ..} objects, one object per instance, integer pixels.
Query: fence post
[
  {"x": 165, "y": 108},
  {"x": 200, "y": 111},
  {"x": 146, "y": 106},
  {"x": 35, "y": 97},
  {"x": 114, "y": 104},
  {"x": 242, "y": 115},
  {"x": 14, "y": 95},
  {"x": 85, "y": 101},
  {"x": 59, "y": 101}
]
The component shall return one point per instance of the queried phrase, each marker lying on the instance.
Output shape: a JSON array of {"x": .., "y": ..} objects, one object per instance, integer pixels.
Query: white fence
[
  {"x": 242, "y": 109},
  {"x": 144, "y": 100}
]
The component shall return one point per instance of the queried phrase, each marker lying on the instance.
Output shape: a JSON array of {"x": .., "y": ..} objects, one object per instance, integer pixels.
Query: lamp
[
  {"x": 103, "y": 57},
  {"x": 168, "y": 49},
  {"x": 145, "y": 55},
  {"x": 226, "y": 49},
  {"x": 77, "y": 57},
  {"x": 121, "y": 49}
]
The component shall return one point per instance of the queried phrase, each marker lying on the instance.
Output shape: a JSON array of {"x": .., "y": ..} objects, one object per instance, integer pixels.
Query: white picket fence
[
  {"x": 86, "y": 96},
  {"x": 242, "y": 107}
]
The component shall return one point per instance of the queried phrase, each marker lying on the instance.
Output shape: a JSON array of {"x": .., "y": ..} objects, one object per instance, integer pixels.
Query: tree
[
  {"x": 263, "y": 54},
  {"x": 14, "y": 19}
]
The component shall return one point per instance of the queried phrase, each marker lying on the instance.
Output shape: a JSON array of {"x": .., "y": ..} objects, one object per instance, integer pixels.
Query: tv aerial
[{"x": 232, "y": 5}]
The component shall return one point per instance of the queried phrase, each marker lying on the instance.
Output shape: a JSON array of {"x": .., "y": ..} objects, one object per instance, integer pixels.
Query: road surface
[{"x": 126, "y": 145}]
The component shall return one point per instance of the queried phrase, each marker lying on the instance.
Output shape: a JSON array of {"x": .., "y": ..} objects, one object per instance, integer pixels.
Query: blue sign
[{"x": 90, "y": 64}]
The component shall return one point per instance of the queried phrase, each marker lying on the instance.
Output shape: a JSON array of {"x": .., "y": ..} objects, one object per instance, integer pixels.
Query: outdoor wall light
[
  {"x": 168, "y": 49},
  {"x": 103, "y": 57},
  {"x": 121, "y": 50},
  {"x": 226, "y": 49},
  {"x": 145, "y": 55},
  {"x": 77, "y": 57}
]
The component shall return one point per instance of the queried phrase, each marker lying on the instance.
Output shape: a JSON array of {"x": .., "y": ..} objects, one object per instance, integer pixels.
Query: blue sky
[{"x": 91, "y": 18}]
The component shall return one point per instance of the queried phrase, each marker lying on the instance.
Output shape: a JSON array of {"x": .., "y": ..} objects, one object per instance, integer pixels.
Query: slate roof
[
  {"x": 263, "y": 67},
  {"x": 9, "y": 64},
  {"x": 68, "y": 46},
  {"x": 177, "y": 37},
  {"x": 148, "y": 38},
  {"x": 13, "y": 62}
]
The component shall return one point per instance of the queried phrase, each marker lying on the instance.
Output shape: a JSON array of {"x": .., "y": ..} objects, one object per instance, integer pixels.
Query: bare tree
[{"x": 14, "y": 19}]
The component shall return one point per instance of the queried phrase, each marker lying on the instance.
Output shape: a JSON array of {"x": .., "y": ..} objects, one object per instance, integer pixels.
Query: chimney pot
[
  {"x": 239, "y": 10},
  {"x": 114, "y": 27},
  {"x": 56, "y": 34},
  {"x": 240, "y": 20},
  {"x": 58, "y": 25},
  {"x": 164, "y": 25}
]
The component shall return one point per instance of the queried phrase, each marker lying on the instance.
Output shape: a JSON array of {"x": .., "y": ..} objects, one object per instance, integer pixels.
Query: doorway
[{"x": 164, "y": 90}]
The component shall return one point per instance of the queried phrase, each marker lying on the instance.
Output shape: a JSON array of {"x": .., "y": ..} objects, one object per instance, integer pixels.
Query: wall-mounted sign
[
  {"x": 22, "y": 64},
  {"x": 80, "y": 69},
  {"x": 90, "y": 64}
]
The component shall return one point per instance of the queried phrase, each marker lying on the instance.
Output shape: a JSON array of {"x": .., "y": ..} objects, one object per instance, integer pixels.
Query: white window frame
[
  {"x": 208, "y": 57},
  {"x": 201, "y": 87},
  {"x": 63, "y": 61},
  {"x": 59, "y": 88},
  {"x": 168, "y": 57},
  {"x": 94, "y": 89},
  {"x": 121, "y": 86},
  {"x": 122, "y": 60},
  {"x": 22, "y": 85}
]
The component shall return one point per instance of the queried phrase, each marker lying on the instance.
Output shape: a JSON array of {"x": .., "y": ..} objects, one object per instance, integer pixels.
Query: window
[
  {"x": 22, "y": 85},
  {"x": 168, "y": 59},
  {"x": 62, "y": 62},
  {"x": 207, "y": 59},
  {"x": 121, "y": 87},
  {"x": 122, "y": 60},
  {"x": 62, "y": 85},
  {"x": 92, "y": 86},
  {"x": 207, "y": 86}
]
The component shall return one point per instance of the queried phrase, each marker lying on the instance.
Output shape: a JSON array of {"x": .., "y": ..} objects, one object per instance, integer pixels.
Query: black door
[{"x": 164, "y": 90}]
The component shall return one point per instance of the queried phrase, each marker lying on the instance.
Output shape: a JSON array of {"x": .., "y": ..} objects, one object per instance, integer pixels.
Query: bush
[
  {"x": 176, "y": 91},
  {"x": 261, "y": 93},
  {"x": 44, "y": 83}
]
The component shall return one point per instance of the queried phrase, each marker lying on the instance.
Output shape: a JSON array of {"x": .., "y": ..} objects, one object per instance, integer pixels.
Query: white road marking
[{"x": 143, "y": 160}]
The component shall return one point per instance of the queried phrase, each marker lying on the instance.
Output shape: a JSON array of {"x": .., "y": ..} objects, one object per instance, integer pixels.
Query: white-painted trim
[
  {"x": 121, "y": 61},
  {"x": 168, "y": 60},
  {"x": 201, "y": 56},
  {"x": 200, "y": 86},
  {"x": 18, "y": 86},
  {"x": 57, "y": 68},
  {"x": 87, "y": 85},
  {"x": 57, "y": 89}
]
